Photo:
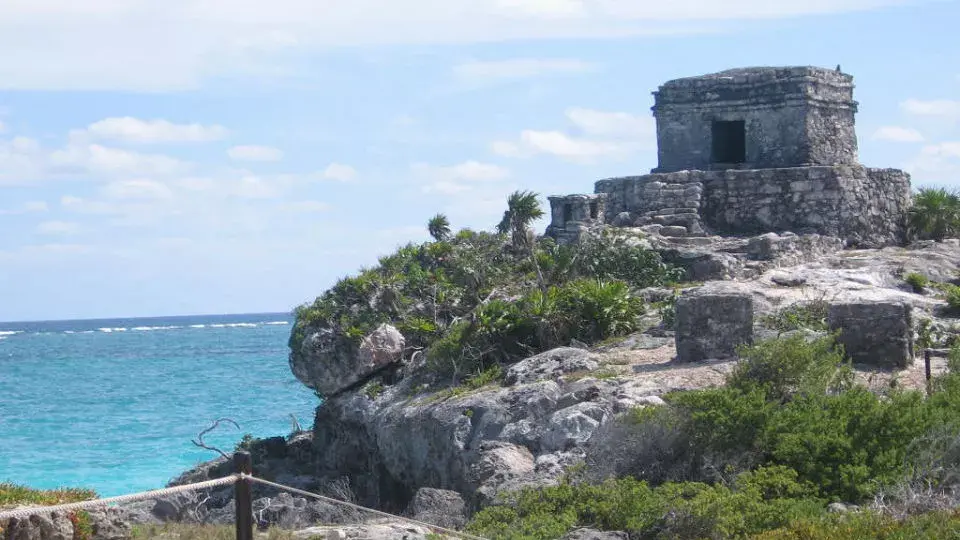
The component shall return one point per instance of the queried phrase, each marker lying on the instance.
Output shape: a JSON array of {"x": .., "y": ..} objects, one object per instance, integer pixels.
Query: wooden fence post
[{"x": 242, "y": 496}]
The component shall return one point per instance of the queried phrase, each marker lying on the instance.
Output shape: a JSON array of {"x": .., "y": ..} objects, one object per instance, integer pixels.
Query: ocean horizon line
[{"x": 287, "y": 313}]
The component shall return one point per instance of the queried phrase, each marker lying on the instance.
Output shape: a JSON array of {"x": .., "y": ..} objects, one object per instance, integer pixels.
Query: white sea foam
[
  {"x": 109, "y": 330},
  {"x": 10, "y": 332},
  {"x": 149, "y": 328},
  {"x": 3, "y": 338},
  {"x": 234, "y": 325},
  {"x": 198, "y": 326},
  {"x": 277, "y": 323}
]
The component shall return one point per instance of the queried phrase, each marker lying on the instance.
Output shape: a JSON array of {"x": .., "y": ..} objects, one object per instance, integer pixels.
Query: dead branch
[{"x": 200, "y": 442}]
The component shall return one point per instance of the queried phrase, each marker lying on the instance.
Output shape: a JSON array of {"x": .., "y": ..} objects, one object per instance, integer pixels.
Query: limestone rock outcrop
[{"x": 330, "y": 362}]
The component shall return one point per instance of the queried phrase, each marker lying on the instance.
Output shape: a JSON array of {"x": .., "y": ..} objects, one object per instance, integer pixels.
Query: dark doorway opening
[
  {"x": 729, "y": 141},
  {"x": 567, "y": 212},
  {"x": 594, "y": 211}
]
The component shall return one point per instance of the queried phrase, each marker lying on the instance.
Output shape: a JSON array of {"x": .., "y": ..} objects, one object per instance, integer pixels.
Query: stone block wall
[
  {"x": 793, "y": 116},
  {"x": 865, "y": 207},
  {"x": 571, "y": 215},
  {"x": 875, "y": 333},
  {"x": 712, "y": 326}
]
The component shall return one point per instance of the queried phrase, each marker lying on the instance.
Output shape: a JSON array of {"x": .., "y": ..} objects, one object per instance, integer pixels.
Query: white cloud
[
  {"x": 150, "y": 45},
  {"x": 135, "y": 130},
  {"x": 543, "y": 8},
  {"x": 21, "y": 161},
  {"x": 936, "y": 164},
  {"x": 96, "y": 158},
  {"x": 28, "y": 207},
  {"x": 138, "y": 189},
  {"x": 943, "y": 108},
  {"x": 459, "y": 178},
  {"x": 950, "y": 149},
  {"x": 306, "y": 207},
  {"x": 254, "y": 187},
  {"x": 492, "y": 72},
  {"x": 255, "y": 153},
  {"x": 604, "y": 134},
  {"x": 897, "y": 134},
  {"x": 620, "y": 125},
  {"x": 64, "y": 228},
  {"x": 339, "y": 172}
]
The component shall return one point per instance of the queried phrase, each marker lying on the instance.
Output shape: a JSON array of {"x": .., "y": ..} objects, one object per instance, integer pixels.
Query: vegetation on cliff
[
  {"x": 763, "y": 455},
  {"x": 475, "y": 299},
  {"x": 935, "y": 215},
  {"x": 13, "y": 494}
]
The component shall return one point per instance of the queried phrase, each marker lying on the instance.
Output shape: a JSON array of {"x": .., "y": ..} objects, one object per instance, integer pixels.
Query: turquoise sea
[{"x": 113, "y": 404}]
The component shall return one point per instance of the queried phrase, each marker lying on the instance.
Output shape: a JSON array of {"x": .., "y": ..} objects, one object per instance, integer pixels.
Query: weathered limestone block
[
  {"x": 875, "y": 333},
  {"x": 551, "y": 365},
  {"x": 52, "y": 526},
  {"x": 440, "y": 507},
  {"x": 712, "y": 325},
  {"x": 330, "y": 362}
]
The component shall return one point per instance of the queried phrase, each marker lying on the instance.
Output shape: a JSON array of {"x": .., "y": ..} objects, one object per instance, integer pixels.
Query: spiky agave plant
[{"x": 935, "y": 214}]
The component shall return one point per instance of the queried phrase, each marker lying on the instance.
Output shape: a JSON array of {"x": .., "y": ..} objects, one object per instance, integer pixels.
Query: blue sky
[{"x": 215, "y": 156}]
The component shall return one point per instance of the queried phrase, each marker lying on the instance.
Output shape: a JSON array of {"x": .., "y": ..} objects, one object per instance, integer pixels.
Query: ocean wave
[
  {"x": 276, "y": 323},
  {"x": 10, "y": 332},
  {"x": 234, "y": 325},
  {"x": 3, "y": 337},
  {"x": 110, "y": 330},
  {"x": 149, "y": 328}
]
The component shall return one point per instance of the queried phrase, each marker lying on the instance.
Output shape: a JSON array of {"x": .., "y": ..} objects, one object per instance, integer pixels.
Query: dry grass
[
  {"x": 176, "y": 531},
  {"x": 13, "y": 495}
]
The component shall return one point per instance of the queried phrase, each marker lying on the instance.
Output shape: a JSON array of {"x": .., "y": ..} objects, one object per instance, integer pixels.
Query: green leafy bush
[
  {"x": 507, "y": 330},
  {"x": 953, "y": 297},
  {"x": 804, "y": 315},
  {"x": 609, "y": 256},
  {"x": 935, "y": 215},
  {"x": 791, "y": 402},
  {"x": 869, "y": 525},
  {"x": 758, "y": 501},
  {"x": 14, "y": 494},
  {"x": 918, "y": 281},
  {"x": 791, "y": 365}
]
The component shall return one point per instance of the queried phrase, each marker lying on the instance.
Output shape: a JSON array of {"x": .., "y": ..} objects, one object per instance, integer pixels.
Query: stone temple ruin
[{"x": 749, "y": 151}]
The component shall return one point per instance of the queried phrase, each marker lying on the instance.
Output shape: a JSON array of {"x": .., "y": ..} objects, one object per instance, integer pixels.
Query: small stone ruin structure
[
  {"x": 749, "y": 151},
  {"x": 573, "y": 214}
]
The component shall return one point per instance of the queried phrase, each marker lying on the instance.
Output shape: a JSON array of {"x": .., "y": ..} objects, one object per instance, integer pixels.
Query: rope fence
[
  {"x": 364, "y": 509},
  {"x": 21, "y": 513},
  {"x": 243, "y": 500}
]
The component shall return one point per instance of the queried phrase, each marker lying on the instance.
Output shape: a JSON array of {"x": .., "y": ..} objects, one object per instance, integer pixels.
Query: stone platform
[{"x": 852, "y": 202}]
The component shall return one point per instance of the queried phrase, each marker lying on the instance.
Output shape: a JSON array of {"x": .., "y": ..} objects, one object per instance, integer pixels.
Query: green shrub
[
  {"x": 590, "y": 310},
  {"x": 953, "y": 298},
  {"x": 935, "y": 215},
  {"x": 14, "y": 494},
  {"x": 918, "y": 281},
  {"x": 673, "y": 510},
  {"x": 869, "y": 525},
  {"x": 668, "y": 311},
  {"x": 373, "y": 389},
  {"x": 805, "y": 315},
  {"x": 610, "y": 256},
  {"x": 786, "y": 366}
]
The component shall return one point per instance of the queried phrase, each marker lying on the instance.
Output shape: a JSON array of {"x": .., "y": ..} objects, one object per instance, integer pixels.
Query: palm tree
[
  {"x": 522, "y": 209},
  {"x": 935, "y": 214},
  {"x": 439, "y": 227}
]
